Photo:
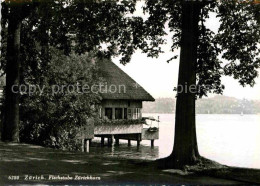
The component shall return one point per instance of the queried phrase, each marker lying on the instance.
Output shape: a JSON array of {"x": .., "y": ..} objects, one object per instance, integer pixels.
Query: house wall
[{"x": 129, "y": 104}]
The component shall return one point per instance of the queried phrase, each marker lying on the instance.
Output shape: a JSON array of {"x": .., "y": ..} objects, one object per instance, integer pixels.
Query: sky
[{"x": 159, "y": 77}]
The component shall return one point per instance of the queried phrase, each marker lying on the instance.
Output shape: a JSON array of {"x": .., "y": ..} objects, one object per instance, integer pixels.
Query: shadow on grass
[{"x": 22, "y": 159}]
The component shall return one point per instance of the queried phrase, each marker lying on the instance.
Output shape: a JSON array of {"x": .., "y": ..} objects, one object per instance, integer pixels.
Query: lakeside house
[
  {"x": 121, "y": 107},
  {"x": 122, "y": 97}
]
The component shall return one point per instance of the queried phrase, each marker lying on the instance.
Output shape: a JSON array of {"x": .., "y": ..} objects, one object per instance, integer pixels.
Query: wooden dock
[
  {"x": 135, "y": 132},
  {"x": 113, "y": 133}
]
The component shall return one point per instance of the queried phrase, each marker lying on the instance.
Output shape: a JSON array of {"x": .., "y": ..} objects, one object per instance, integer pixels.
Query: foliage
[
  {"x": 79, "y": 26},
  {"x": 233, "y": 51},
  {"x": 239, "y": 38},
  {"x": 53, "y": 118},
  {"x": 2, "y": 81}
]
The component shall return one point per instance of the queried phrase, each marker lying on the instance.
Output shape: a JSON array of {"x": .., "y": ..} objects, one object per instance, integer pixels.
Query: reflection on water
[
  {"x": 232, "y": 140},
  {"x": 123, "y": 151}
]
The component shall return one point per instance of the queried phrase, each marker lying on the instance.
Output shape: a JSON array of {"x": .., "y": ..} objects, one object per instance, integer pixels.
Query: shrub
[{"x": 54, "y": 119}]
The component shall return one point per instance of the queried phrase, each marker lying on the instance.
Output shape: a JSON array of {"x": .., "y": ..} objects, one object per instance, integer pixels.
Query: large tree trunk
[
  {"x": 11, "y": 112},
  {"x": 185, "y": 150}
]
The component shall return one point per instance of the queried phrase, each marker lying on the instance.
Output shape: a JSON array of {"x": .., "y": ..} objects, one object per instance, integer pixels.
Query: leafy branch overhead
[
  {"x": 233, "y": 50},
  {"x": 81, "y": 26}
]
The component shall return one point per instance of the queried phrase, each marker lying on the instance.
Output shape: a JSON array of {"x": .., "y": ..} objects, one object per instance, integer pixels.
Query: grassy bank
[{"x": 29, "y": 164}]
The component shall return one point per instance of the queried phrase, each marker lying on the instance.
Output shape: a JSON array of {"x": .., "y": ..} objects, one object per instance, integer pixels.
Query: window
[
  {"x": 136, "y": 113},
  {"x": 118, "y": 113},
  {"x": 108, "y": 113}
]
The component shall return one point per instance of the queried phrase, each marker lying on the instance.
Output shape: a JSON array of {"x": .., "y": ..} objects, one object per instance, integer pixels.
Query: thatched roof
[{"x": 127, "y": 88}]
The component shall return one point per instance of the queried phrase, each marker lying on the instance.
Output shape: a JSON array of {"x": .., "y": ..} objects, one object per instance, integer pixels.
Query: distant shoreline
[{"x": 215, "y": 105}]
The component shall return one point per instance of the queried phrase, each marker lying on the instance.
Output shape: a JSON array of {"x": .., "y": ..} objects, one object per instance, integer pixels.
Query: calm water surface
[{"x": 232, "y": 140}]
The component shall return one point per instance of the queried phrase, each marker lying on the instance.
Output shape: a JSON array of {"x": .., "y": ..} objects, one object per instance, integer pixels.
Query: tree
[
  {"x": 59, "y": 102},
  {"x": 12, "y": 68},
  {"x": 32, "y": 26},
  {"x": 237, "y": 43}
]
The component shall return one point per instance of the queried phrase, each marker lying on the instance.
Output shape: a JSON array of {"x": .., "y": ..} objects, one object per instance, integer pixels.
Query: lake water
[{"x": 232, "y": 140}]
